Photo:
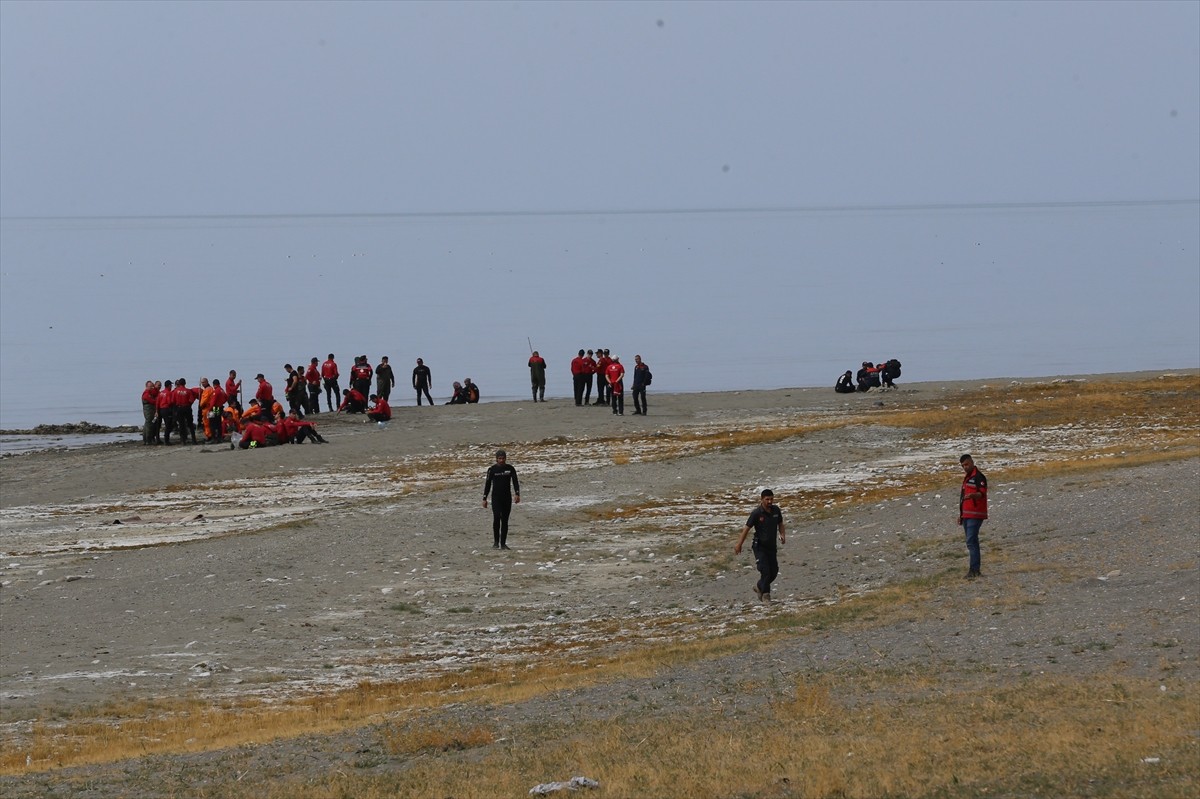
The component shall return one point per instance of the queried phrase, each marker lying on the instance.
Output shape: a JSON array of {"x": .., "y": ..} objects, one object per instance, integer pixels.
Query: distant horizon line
[{"x": 943, "y": 206}]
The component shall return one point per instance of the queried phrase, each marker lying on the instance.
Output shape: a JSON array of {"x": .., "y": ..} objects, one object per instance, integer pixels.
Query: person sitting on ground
[
  {"x": 258, "y": 434},
  {"x": 297, "y": 430},
  {"x": 353, "y": 401},
  {"x": 458, "y": 396},
  {"x": 845, "y": 383},
  {"x": 868, "y": 377},
  {"x": 472, "y": 390},
  {"x": 380, "y": 411}
]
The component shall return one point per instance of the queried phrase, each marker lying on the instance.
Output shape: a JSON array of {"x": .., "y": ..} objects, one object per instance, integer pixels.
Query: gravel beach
[{"x": 130, "y": 571}]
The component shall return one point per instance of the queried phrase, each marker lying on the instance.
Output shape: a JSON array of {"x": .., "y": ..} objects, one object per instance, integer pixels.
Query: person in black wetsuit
[
  {"x": 503, "y": 485},
  {"x": 845, "y": 383}
]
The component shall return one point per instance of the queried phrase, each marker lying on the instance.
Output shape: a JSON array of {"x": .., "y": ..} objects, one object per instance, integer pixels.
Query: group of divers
[{"x": 870, "y": 376}]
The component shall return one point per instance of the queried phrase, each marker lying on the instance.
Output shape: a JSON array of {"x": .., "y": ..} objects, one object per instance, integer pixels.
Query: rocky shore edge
[{"x": 72, "y": 428}]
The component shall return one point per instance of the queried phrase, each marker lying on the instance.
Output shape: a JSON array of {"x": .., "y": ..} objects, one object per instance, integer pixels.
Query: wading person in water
[
  {"x": 766, "y": 520},
  {"x": 503, "y": 485}
]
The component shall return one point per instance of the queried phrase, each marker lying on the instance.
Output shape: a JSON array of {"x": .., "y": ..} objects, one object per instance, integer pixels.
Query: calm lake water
[{"x": 714, "y": 300}]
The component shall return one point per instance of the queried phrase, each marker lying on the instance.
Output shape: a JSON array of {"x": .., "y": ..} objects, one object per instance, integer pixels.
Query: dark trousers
[
  {"x": 314, "y": 398},
  {"x": 765, "y": 558},
  {"x": 587, "y": 387},
  {"x": 384, "y": 389},
  {"x": 580, "y": 381},
  {"x": 639, "y": 399},
  {"x": 501, "y": 507},
  {"x": 617, "y": 400},
  {"x": 305, "y": 433},
  {"x": 185, "y": 422},
  {"x": 422, "y": 389},
  {"x": 603, "y": 391},
  {"x": 363, "y": 385},
  {"x": 333, "y": 393}
]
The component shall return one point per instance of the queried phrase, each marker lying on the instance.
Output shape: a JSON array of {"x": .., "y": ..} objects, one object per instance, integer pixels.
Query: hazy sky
[
  {"x": 874, "y": 180},
  {"x": 286, "y": 107}
]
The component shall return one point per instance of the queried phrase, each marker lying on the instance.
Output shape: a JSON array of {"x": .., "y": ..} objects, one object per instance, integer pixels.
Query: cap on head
[
  {"x": 501, "y": 453},
  {"x": 260, "y": 376}
]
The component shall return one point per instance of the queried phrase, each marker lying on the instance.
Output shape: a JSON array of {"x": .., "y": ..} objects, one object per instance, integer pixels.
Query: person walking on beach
[
  {"x": 329, "y": 378},
  {"x": 385, "y": 380},
  {"x": 537, "y": 376},
  {"x": 972, "y": 510},
  {"x": 422, "y": 379},
  {"x": 503, "y": 485},
  {"x": 766, "y": 520},
  {"x": 641, "y": 379}
]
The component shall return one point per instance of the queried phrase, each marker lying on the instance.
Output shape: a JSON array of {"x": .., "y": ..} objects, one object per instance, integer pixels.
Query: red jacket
[
  {"x": 974, "y": 482},
  {"x": 265, "y": 394},
  {"x": 589, "y": 366},
  {"x": 150, "y": 395},
  {"x": 219, "y": 397},
  {"x": 354, "y": 396},
  {"x": 182, "y": 397},
  {"x": 381, "y": 407},
  {"x": 362, "y": 371},
  {"x": 329, "y": 369},
  {"x": 312, "y": 376},
  {"x": 577, "y": 366},
  {"x": 231, "y": 388},
  {"x": 164, "y": 400}
]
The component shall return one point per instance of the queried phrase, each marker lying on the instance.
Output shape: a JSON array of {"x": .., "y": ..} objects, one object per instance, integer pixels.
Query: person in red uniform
[
  {"x": 589, "y": 377},
  {"x": 265, "y": 394},
  {"x": 149, "y": 411},
  {"x": 233, "y": 390},
  {"x": 578, "y": 378},
  {"x": 258, "y": 434},
  {"x": 972, "y": 510},
  {"x": 379, "y": 411},
  {"x": 329, "y": 377},
  {"x": 603, "y": 389},
  {"x": 615, "y": 375},
  {"x": 165, "y": 404},
  {"x": 183, "y": 397},
  {"x": 297, "y": 430},
  {"x": 312, "y": 381},
  {"x": 361, "y": 374},
  {"x": 353, "y": 401}
]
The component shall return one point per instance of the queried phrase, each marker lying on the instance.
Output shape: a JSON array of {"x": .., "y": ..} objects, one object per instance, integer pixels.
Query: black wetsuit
[{"x": 502, "y": 483}]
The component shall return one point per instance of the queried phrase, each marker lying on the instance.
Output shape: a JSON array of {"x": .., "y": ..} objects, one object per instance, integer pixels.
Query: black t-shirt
[{"x": 766, "y": 525}]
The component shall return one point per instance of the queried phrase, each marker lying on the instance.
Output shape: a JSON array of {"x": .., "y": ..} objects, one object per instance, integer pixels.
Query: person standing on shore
[
  {"x": 183, "y": 398},
  {"x": 537, "y": 376},
  {"x": 578, "y": 377},
  {"x": 589, "y": 376},
  {"x": 614, "y": 373},
  {"x": 384, "y": 379},
  {"x": 329, "y": 377},
  {"x": 603, "y": 388},
  {"x": 233, "y": 390},
  {"x": 641, "y": 379},
  {"x": 149, "y": 411},
  {"x": 312, "y": 382},
  {"x": 972, "y": 510},
  {"x": 766, "y": 520},
  {"x": 166, "y": 413},
  {"x": 422, "y": 379},
  {"x": 503, "y": 485}
]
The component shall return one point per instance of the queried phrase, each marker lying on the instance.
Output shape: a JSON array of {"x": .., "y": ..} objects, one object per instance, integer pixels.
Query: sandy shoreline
[{"x": 300, "y": 568}]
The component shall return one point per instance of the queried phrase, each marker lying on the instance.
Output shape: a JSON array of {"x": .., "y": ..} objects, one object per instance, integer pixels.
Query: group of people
[
  {"x": 869, "y": 376},
  {"x": 167, "y": 409},
  {"x": 605, "y": 370}
]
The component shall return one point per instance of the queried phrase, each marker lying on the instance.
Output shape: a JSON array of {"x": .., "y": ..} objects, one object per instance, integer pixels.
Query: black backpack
[{"x": 649, "y": 377}]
